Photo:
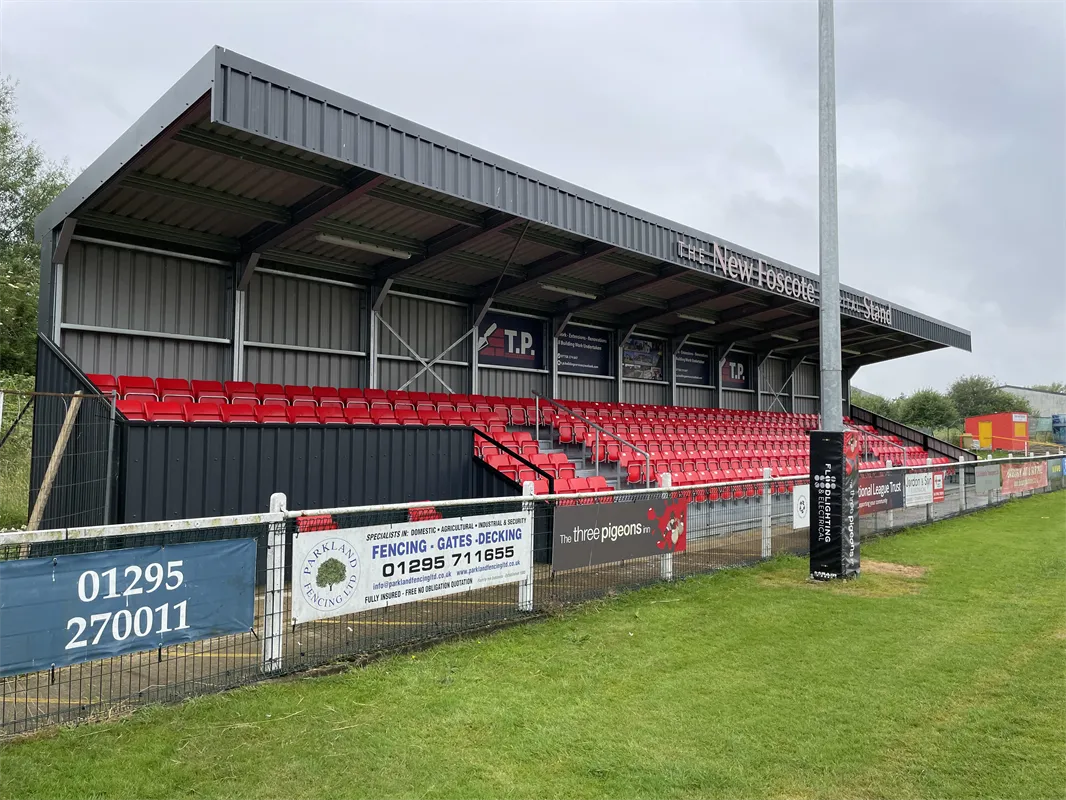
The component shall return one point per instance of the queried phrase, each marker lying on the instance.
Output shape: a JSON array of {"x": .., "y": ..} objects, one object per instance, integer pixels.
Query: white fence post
[
  {"x": 525, "y": 588},
  {"x": 666, "y": 560},
  {"x": 891, "y": 517},
  {"x": 274, "y": 600},
  {"x": 962, "y": 483},
  {"x": 767, "y": 502},
  {"x": 929, "y": 505}
]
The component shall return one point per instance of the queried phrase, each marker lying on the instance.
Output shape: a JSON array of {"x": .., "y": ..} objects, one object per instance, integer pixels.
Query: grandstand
[{"x": 288, "y": 290}]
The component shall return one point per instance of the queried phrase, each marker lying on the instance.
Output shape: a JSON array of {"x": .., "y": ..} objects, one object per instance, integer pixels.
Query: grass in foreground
[{"x": 748, "y": 683}]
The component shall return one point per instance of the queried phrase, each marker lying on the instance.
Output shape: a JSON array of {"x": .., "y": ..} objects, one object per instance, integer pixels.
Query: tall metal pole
[{"x": 828, "y": 257}]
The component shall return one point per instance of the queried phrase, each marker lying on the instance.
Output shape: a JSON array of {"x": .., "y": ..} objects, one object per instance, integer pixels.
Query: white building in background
[{"x": 1044, "y": 404}]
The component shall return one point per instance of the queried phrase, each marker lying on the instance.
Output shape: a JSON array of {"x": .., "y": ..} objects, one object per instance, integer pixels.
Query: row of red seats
[
  {"x": 514, "y": 410},
  {"x": 618, "y": 411},
  {"x": 217, "y": 411}
]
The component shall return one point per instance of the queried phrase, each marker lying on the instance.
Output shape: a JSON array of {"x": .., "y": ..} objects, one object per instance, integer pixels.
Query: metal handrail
[
  {"x": 521, "y": 458},
  {"x": 647, "y": 456},
  {"x": 867, "y": 434}
]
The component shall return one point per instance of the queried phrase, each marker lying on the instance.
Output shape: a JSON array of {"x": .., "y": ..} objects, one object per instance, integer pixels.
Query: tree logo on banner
[{"x": 329, "y": 576}]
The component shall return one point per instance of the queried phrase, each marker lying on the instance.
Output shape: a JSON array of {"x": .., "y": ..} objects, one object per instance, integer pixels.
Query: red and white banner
[
  {"x": 1023, "y": 477},
  {"x": 938, "y": 487}
]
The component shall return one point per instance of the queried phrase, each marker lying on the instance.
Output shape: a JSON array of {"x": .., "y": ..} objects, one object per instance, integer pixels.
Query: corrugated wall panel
[
  {"x": 286, "y": 310},
  {"x": 115, "y": 287},
  {"x": 266, "y": 365},
  {"x": 512, "y": 383},
  {"x": 426, "y": 326},
  {"x": 696, "y": 397},
  {"x": 773, "y": 383},
  {"x": 394, "y": 374},
  {"x": 805, "y": 405},
  {"x": 652, "y": 394},
  {"x": 594, "y": 390},
  {"x": 141, "y": 355},
  {"x": 177, "y": 471},
  {"x": 118, "y": 288},
  {"x": 738, "y": 401},
  {"x": 807, "y": 381}
]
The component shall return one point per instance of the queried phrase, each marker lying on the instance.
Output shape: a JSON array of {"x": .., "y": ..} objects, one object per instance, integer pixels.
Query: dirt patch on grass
[
  {"x": 876, "y": 579},
  {"x": 888, "y": 568}
]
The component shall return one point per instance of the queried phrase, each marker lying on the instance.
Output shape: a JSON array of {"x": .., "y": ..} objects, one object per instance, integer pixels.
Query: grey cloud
[{"x": 951, "y": 123}]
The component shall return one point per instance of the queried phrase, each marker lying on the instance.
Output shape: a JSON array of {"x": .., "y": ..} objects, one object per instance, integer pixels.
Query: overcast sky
[{"x": 951, "y": 125}]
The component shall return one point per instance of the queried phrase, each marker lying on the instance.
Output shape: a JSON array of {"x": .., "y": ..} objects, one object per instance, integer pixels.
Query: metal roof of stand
[{"x": 243, "y": 163}]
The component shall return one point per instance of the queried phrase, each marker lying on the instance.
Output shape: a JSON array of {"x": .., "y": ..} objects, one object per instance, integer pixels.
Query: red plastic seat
[
  {"x": 209, "y": 390},
  {"x": 135, "y": 387},
  {"x": 331, "y": 415},
  {"x": 358, "y": 415},
  {"x": 302, "y": 415},
  {"x": 300, "y": 396},
  {"x": 241, "y": 392},
  {"x": 131, "y": 409},
  {"x": 271, "y": 394},
  {"x": 169, "y": 411},
  {"x": 424, "y": 514},
  {"x": 176, "y": 389},
  {"x": 242, "y": 413},
  {"x": 105, "y": 383},
  {"x": 327, "y": 396},
  {"x": 353, "y": 398},
  {"x": 201, "y": 412},
  {"x": 270, "y": 414}
]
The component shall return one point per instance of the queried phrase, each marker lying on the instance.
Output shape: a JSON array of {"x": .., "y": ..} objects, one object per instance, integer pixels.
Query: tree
[
  {"x": 928, "y": 408},
  {"x": 329, "y": 573},
  {"x": 28, "y": 183},
  {"x": 1058, "y": 387},
  {"x": 977, "y": 395},
  {"x": 876, "y": 403}
]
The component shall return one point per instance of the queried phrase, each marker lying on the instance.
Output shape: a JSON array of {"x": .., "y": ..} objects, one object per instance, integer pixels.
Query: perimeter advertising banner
[
  {"x": 67, "y": 609},
  {"x": 584, "y": 351},
  {"x": 923, "y": 488},
  {"x": 834, "y": 537},
  {"x": 987, "y": 478},
  {"x": 693, "y": 366},
  {"x": 603, "y": 533},
  {"x": 643, "y": 359},
  {"x": 350, "y": 570},
  {"x": 1025, "y": 477},
  {"x": 882, "y": 492},
  {"x": 508, "y": 341}
]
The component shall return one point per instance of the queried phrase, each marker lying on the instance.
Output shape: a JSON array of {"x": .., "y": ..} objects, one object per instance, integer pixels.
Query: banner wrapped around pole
[{"x": 835, "y": 499}]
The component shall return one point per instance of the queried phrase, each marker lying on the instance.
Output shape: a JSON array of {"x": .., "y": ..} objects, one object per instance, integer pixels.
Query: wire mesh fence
[
  {"x": 441, "y": 590},
  {"x": 57, "y": 457}
]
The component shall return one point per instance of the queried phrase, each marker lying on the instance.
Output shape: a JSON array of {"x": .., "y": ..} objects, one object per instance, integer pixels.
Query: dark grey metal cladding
[
  {"x": 128, "y": 312},
  {"x": 183, "y": 471},
  {"x": 79, "y": 490},
  {"x": 255, "y": 98}
]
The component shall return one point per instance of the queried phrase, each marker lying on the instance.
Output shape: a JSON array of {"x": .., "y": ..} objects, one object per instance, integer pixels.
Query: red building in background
[{"x": 1006, "y": 431}]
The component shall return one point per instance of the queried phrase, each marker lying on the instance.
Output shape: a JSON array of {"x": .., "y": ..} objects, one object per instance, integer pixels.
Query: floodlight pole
[{"x": 828, "y": 255}]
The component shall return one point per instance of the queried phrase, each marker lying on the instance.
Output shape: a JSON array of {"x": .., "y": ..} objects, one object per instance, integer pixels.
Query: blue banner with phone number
[{"x": 69, "y": 609}]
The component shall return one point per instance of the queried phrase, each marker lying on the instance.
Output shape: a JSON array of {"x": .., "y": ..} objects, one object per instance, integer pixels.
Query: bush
[{"x": 15, "y": 450}]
